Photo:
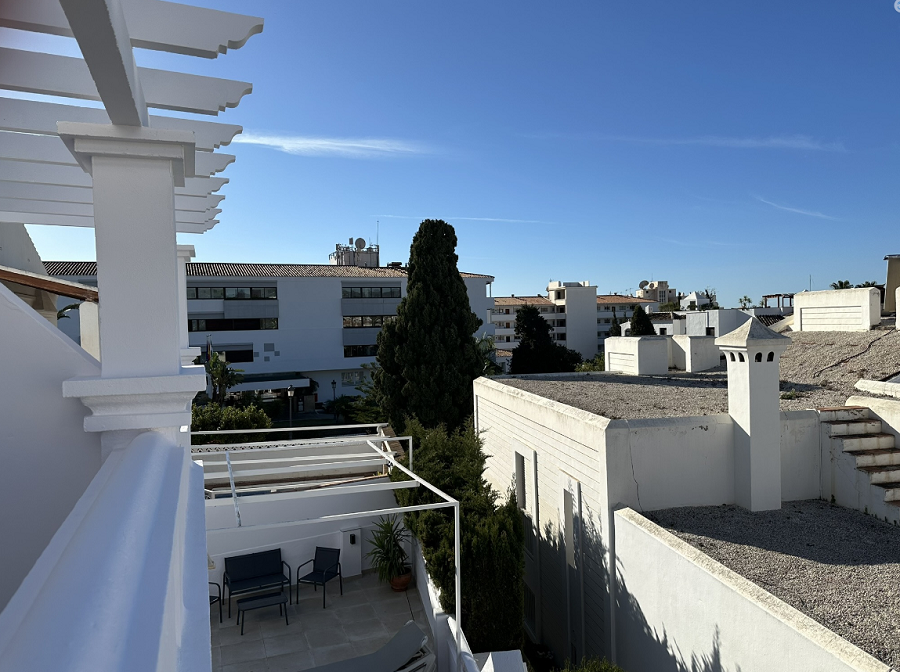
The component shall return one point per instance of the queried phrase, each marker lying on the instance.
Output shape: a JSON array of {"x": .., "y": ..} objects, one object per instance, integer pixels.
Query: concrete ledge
[
  {"x": 878, "y": 387},
  {"x": 826, "y": 645}
]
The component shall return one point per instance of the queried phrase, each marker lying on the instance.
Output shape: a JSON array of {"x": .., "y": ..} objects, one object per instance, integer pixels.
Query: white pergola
[
  {"x": 41, "y": 182},
  {"x": 265, "y": 459}
]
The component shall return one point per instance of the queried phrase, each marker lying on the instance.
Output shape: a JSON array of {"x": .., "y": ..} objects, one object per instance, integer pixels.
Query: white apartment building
[
  {"x": 568, "y": 308},
  {"x": 622, "y": 307},
  {"x": 659, "y": 291},
  {"x": 283, "y": 324},
  {"x": 696, "y": 300}
]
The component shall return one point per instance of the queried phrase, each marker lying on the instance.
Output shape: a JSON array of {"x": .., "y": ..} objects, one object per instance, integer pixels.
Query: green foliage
[
  {"x": 868, "y": 283},
  {"x": 366, "y": 408},
  {"x": 591, "y": 665},
  {"x": 63, "y": 314},
  {"x": 487, "y": 356},
  {"x": 213, "y": 417},
  {"x": 536, "y": 352},
  {"x": 428, "y": 356},
  {"x": 745, "y": 301},
  {"x": 669, "y": 307},
  {"x": 492, "y": 536},
  {"x": 641, "y": 324},
  {"x": 222, "y": 377},
  {"x": 841, "y": 284},
  {"x": 387, "y": 554},
  {"x": 340, "y": 407},
  {"x": 615, "y": 329},
  {"x": 596, "y": 364}
]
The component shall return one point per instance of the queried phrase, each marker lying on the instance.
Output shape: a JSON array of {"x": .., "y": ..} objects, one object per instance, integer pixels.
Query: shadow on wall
[{"x": 652, "y": 648}]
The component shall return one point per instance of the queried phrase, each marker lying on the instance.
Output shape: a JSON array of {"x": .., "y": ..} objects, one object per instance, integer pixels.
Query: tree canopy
[
  {"x": 222, "y": 377},
  {"x": 536, "y": 352},
  {"x": 641, "y": 324},
  {"x": 615, "y": 329},
  {"x": 428, "y": 357}
]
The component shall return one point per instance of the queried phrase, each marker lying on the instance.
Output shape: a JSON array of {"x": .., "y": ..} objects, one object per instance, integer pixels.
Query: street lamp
[
  {"x": 334, "y": 398},
  {"x": 290, "y": 391}
]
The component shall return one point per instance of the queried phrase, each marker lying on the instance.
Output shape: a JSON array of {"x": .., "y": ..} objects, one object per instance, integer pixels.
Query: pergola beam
[
  {"x": 103, "y": 79},
  {"x": 31, "y": 116},
  {"x": 73, "y": 290},
  {"x": 59, "y": 194},
  {"x": 152, "y": 24},
  {"x": 100, "y": 30}
]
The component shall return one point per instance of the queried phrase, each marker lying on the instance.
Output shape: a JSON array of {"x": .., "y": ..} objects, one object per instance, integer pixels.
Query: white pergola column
[
  {"x": 142, "y": 320},
  {"x": 753, "y": 353}
]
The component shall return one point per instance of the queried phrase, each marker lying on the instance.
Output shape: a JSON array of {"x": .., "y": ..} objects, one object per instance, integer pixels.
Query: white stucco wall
[
  {"x": 560, "y": 441},
  {"x": 679, "y": 609},
  {"x": 48, "y": 458},
  {"x": 837, "y": 310},
  {"x": 638, "y": 355},
  {"x": 801, "y": 458},
  {"x": 581, "y": 320},
  {"x": 695, "y": 353}
]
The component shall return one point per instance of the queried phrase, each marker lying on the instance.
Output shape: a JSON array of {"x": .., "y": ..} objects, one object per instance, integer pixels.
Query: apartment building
[
  {"x": 620, "y": 306},
  {"x": 286, "y": 323},
  {"x": 659, "y": 291}
]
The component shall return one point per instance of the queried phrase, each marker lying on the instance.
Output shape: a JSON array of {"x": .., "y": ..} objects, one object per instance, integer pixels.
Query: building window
[
  {"x": 662, "y": 331},
  {"x": 711, "y": 331},
  {"x": 232, "y": 292},
  {"x": 367, "y": 321},
  {"x": 244, "y": 324},
  {"x": 771, "y": 357},
  {"x": 360, "y": 350},
  {"x": 352, "y": 378},
  {"x": 237, "y": 356},
  {"x": 370, "y": 292}
]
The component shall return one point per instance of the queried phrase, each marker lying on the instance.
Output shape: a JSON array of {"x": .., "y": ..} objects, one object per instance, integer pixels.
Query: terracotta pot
[{"x": 401, "y": 583}]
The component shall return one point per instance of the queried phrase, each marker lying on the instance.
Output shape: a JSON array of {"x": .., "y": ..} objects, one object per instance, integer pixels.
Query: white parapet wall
[
  {"x": 680, "y": 609},
  {"x": 637, "y": 355},
  {"x": 837, "y": 310},
  {"x": 694, "y": 353}
]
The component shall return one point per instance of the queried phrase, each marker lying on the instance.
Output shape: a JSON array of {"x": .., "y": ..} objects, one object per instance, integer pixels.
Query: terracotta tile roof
[
  {"x": 71, "y": 268},
  {"x": 223, "y": 270},
  {"x": 522, "y": 300},
  {"x": 618, "y": 298}
]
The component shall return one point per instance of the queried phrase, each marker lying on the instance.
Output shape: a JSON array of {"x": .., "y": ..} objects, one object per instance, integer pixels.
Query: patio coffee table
[{"x": 268, "y": 600}]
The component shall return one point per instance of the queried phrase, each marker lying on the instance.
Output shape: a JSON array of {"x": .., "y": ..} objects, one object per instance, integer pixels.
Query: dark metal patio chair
[
  {"x": 216, "y": 598},
  {"x": 326, "y": 566}
]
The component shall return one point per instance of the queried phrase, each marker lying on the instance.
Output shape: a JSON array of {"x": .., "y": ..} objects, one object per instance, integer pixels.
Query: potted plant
[{"x": 388, "y": 554}]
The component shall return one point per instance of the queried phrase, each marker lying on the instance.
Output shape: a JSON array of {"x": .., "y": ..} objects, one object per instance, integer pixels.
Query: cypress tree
[
  {"x": 536, "y": 352},
  {"x": 615, "y": 329},
  {"x": 641, "y": 324},
  {"x": 428, "y": 355}
]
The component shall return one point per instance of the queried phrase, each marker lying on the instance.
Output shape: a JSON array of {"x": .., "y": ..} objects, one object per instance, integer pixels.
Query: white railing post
[{"x": 234, "y": 499}]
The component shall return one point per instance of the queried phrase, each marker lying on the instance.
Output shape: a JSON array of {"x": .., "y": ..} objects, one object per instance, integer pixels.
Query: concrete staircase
[{"x": 853, "y": 432}]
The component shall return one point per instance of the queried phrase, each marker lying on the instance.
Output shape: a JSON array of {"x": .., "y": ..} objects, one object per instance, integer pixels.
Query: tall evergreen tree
[
  {"x": 641, "y": 324},
  {"x": 615, "y": 329},
  {"x": 536, "y": 352},
  {"x": 428, "y": 355}
]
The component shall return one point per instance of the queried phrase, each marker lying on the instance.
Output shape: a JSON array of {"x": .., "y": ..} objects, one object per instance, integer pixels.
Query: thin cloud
[
  {"x": 352, "y": 148},
  {"x": 799, "y": 211},
  {"x": 801, "y": 142}
]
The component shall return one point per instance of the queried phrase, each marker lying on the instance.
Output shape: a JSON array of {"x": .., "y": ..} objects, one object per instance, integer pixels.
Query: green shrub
[
  {"x": 595, "y": 364},
  {"x": 492, "y": 537},
  {"x": 592, "y": 665},
  {"x": 213, "y": 417},
  {"x": 641, "y": 324}
]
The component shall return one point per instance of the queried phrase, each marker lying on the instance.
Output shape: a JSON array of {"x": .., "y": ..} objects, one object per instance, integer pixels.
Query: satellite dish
[
  {"x": 360, "y": 243},
  {"x": 643, "y": 284}
]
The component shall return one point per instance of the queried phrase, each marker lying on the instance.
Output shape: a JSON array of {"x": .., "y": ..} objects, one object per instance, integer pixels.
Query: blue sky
[{"x": 741, "y": 146}]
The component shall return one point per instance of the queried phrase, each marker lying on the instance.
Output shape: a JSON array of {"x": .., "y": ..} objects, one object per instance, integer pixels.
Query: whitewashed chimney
[{"x": 753, "y": 352}]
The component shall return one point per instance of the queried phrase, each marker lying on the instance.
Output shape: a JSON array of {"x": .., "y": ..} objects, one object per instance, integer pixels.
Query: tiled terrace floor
[{"x": 367, "y": 615}]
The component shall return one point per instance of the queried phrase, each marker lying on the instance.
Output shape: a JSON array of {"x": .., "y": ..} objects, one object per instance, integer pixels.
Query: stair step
[
  {"x": 891, "y": 492},
  {"x": 843, "y": 413},
  {"x": 877, "y": 458},
  {"x": 852, "y": 427},
  {"x": 884, "y": 476},
  {"x": 854, "y": 443}
]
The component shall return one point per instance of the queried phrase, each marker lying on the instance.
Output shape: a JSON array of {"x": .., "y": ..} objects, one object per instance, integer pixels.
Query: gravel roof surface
[
  {"x": 818, "y": 370},
  {"x": 837, "y": 566}
]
